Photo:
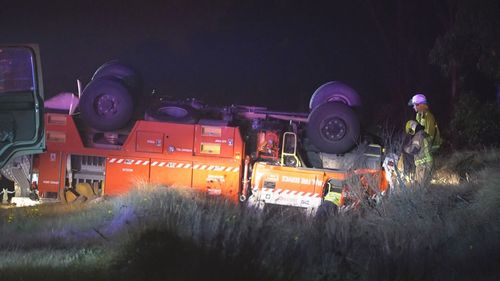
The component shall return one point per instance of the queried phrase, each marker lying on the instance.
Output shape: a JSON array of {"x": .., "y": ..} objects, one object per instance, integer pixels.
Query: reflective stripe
[
  {"x": 422, "y": 161},
  {"x": 287, "y": 192},
  {"x": 425, "y": 156}
]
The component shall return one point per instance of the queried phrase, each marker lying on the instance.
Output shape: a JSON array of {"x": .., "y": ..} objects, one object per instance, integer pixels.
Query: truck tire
[
  {"x": 166, "y": 112},
  {"x": 334, "y": 91},
  {"x": 123, "y": 72},
  {"x": 106, "y": 104},
  {"x": 333, "y": 127}
]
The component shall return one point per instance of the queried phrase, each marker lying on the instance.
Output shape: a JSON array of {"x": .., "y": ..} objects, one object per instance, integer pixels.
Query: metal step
[
  {"x": 21, "y": 180},
  {"x": 18, "y": 170}
]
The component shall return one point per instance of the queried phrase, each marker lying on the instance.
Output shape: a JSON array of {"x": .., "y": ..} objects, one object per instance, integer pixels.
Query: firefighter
[
  {"x": 331, "y": 202},
  {"x": 420, "y": 148},
  {"x": 425, "y": 118},
  {"x": 6, "y": 186},
  {"x": 333, "y": 198}
]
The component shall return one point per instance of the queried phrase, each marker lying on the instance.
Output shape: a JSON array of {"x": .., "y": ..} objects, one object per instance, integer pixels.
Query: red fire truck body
[{"x": 208, "y": 158}]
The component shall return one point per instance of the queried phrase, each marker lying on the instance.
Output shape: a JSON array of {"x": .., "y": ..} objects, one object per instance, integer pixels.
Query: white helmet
[{"x": 417, "y": 99}]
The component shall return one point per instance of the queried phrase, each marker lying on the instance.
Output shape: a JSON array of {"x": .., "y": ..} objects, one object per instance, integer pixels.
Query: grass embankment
[{"x": 441, "y": 232}]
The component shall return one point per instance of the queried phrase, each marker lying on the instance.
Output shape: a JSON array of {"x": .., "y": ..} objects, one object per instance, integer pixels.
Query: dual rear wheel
[
  {"x": 333, "y": 126},
  {"x": 107, "y": 102}
]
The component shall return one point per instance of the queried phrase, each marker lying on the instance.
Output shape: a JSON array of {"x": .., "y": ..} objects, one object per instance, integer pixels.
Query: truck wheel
[
  {"x": 118, "y": 70},
  {"x": 333, "y": 127},
  {"x": 166, "y": 112},
  {"x": 106, "y": 104},
  {"x": 334, "y": 91}
]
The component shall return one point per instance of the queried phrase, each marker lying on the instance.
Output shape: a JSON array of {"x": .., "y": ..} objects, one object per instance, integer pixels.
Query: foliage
[
  {"x": 433, "y": 233},
  {"x": 474, "y": 124},
  {"x": 471, "y": 41}
]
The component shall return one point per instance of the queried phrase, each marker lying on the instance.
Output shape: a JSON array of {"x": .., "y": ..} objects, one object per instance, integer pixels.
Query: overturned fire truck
[{"x": 102, "y": 143}]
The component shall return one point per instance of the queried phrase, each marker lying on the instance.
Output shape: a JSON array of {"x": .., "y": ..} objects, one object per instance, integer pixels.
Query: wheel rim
[
  {"x": 173, "y": 111},
  {"x": 333, "y": 129},
  {"x": 106, "y": 105}
]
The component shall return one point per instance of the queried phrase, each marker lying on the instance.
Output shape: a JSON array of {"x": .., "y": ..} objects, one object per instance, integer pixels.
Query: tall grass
[{"x": 438, "y": 232}]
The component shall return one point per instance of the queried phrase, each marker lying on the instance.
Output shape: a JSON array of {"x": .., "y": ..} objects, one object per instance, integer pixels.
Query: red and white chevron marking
[
  {"x": 288, "y": 192},
  {"x": 176, "y": 165},
  {"x": 203, "y": 167},
  {"x": 287, "y": 197},
  {"x": 128, "y": 161}
]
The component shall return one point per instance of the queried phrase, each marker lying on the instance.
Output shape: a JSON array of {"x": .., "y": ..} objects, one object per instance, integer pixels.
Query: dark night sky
[{"x": 270, "y": 53}]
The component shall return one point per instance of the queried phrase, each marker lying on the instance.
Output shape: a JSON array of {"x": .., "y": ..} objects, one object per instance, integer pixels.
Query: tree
[
  {"x": 470, "y": 42},
  {"x": 405, "y": 40}
]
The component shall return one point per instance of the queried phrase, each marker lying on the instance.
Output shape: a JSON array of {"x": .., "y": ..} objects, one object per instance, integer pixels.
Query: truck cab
[{"x": 21, "y": 102}]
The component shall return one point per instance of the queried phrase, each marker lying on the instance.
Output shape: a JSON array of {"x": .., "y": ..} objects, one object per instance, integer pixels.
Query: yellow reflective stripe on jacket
[
  {"x": 333, "y": 197},
  {"x": 424, "y": 156},
  {"x": 422, "y": 161}
]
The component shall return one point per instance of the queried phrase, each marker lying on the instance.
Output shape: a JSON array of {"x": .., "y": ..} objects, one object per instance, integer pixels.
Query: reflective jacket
[
  {"x": 427, "y": 120},
  {"x": 334, "y": 195},
  {"x": 419, "y": 147}
]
